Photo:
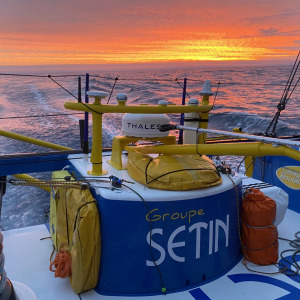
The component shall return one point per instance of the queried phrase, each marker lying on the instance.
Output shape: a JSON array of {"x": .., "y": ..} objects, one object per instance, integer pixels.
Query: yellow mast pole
[
  {"x": 96, "y": 155},
  {"x": 205, "y": 93}
]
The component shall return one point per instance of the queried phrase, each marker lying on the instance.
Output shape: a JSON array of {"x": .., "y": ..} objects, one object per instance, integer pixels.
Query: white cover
[
  {"x": 277, "y": 194},
  {"x": 144, "y": 125}
]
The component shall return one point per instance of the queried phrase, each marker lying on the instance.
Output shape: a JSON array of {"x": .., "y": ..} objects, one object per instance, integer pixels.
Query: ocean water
[{"x": 244, "y": 97}]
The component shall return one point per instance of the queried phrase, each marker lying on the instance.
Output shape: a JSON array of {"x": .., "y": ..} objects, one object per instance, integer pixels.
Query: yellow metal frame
[
  {"x": 29, "y": 140},
  {"x": 249, "y": 165},
  {"x": 253, "y": 149},
  {"x": 248, "y": 149},
  {"x": 204, "y": 116},
  {"x": 120, "y": 142},
  {"x": 29, "y": 178},
  {"x": 38, "y": 142},
  {"x": 97, "y": 109},
  {"x": 96, "y": 155},
  {"x": 137, "y": 109}
]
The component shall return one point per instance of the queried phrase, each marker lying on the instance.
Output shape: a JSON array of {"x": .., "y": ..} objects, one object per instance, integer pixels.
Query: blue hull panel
[
  {"x": 283, "y": 172},
  {"x": 192, "y": 242},
  {"x": 31, "y": 163}
]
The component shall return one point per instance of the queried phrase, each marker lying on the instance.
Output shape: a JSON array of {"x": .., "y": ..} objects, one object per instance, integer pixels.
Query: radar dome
[{"x": 144, "y": 125}]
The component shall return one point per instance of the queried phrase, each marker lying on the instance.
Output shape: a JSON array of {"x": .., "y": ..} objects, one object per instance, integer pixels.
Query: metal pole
[
  {"x": 33, "y": 141},
  {"x": 264, "y": 139},
  {"x": 86, "y": 114},
  {"x": 86, "y": 120},
  {"x": 180, "y": 139},
  {"x": 79, "y": 89}
]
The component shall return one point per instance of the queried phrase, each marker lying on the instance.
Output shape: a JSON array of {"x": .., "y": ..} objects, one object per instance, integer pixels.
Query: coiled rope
[
  {"x": 295, "y": 244},
  {"x": 62, "y": 264}
]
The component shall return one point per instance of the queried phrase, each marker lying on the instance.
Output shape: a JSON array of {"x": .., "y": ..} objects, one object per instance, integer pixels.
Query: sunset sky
[{"x": 37, "y": 32}]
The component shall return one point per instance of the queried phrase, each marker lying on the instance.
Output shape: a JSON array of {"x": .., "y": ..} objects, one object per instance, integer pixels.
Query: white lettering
[
  {"x": 172, "y": 245},
  {"x": 198, "y": 227},
  {"x": 211, "y": 235},
  {"x": 220, "y": 223},
  {"x": 214, "y": 230},
  {"x": 157, "y": 247}
]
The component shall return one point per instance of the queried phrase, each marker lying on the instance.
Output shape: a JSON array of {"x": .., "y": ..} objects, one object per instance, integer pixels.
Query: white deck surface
[
  {"x": 27, "y": 261},
  {"x": 155, "y": 194}
]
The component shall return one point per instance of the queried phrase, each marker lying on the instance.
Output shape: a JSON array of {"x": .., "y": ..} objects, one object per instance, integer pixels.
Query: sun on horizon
[{"x": 114, "y": 32}]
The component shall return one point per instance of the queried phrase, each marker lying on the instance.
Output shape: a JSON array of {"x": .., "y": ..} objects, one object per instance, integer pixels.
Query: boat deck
[{"x": 27, "y": 256}]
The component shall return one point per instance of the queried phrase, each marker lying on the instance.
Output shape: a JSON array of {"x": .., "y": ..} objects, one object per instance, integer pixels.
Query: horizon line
[{"x": 152, "y": 65}]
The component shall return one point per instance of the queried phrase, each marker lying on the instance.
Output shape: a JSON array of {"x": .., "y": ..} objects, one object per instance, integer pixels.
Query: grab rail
[{"x": 29, "y": 140}]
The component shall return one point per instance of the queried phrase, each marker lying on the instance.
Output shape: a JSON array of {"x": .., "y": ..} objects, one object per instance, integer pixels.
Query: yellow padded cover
[
  {"x": 56, "y": 176},
  {"x": 173, "y": 172},
  {"x": 78, "y": 231},
  {"x": 85, "y": 246}
]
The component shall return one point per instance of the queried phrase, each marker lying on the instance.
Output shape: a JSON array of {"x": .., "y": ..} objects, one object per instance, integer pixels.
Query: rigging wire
[
  {"x": 116, "y": 79},
  {"x": 219, "y": 83},
  {"x": 284, "y": 98},
  {"x": 38, "y": 76},
  {"x": 182, "y": 87},
  {"x": 294, "y": 88},
  {"x": 40, "y": 116},
  {"x": 91, "y": 110},
  {"x": 142, "y": 79},
  {"x": 287, "y": 86},
  {"x": 82, "y": 113},
  {"x": 24, "y": 75},
  {"x": 50, "y": 77}
]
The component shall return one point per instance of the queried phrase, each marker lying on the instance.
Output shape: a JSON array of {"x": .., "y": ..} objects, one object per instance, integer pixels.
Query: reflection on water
[{"x": 246, "y": 97}]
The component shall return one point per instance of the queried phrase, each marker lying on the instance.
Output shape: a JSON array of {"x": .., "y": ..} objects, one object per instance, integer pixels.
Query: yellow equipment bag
[
  {"x": 173, "y": 172},
  {"x": 56, "y": 176},
  {"x": 78, "y": 234}
]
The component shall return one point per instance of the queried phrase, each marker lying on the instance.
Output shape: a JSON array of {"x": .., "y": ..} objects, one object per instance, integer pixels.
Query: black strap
[{"x": 195, "y": 120}]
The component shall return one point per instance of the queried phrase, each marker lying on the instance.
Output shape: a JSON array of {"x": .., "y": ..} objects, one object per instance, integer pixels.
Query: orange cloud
[{"x": 96, "y": 32}]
